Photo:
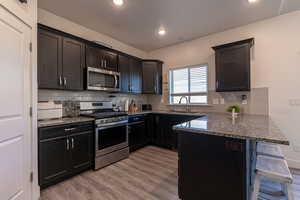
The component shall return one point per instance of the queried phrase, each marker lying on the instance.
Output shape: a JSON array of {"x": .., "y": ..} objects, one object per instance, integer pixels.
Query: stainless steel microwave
[{"x": 103, "y": 80}]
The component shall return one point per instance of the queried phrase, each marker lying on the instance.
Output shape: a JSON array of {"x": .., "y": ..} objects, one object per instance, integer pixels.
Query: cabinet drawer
[
  {"x": 136, "y": 118},
  {"x": 64, "y": 130}
]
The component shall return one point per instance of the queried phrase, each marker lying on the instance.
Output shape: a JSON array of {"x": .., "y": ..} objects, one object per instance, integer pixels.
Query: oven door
[
  {"x": 103, "y": 80},
  {"x": 111, "y": 138}
]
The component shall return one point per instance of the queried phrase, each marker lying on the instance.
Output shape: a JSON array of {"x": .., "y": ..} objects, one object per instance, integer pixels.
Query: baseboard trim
[{"x": 294, "y": 164}]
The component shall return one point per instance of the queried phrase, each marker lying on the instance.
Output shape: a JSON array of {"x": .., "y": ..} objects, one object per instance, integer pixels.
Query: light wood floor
[{"x": 149, "y": 174}]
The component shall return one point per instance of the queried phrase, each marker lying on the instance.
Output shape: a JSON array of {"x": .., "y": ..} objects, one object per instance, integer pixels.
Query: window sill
[{"x": 194, "y": 104}]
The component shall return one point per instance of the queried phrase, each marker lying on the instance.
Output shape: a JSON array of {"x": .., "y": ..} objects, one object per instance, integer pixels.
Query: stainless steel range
[{"x": 111, "y": 132}]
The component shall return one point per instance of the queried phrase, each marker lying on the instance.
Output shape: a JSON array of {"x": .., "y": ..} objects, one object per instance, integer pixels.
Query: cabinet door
[
  {"x": 216, "y": 160},
  {"x": 152, "y": 77},
  {"x": 73, "y": 60},
  {"x": 159, "y": 79},
  {"x": 53, "y": 160},
  {"x": 137, "y": 136},
  {"x": 92, "y": 57},
  {"x": 49, "y": 60},
  {"x": 111, "y": 61},
  {"x": 149, "y": 77},
  {"x": 125, "y": 73},
  {"x": 81, "y": 154},
  {"x": 233, "y": 68},
  {"x": 158, "y": 135},
  {"x": 135, "y": 76},
  {"x": 149, "y": 128}
]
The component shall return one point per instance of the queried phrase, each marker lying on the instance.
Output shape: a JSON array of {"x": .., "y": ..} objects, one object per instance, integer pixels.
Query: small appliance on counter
[
  {"x": 146, "y": 107},
  {"x": 49, "y": 110}
]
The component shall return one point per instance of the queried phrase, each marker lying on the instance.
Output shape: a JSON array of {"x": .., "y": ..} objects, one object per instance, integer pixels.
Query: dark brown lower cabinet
[
  {"x": 214, "y": 167},
  {"x": 65, "y": 154},
  {"x": 54, "y": 160},
  {"x": 81, "y": 151},
  {"x": 138, "y": 135},
  {"x": 163, "y": 134}
]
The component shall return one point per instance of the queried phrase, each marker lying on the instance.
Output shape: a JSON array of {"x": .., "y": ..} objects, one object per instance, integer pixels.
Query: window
[{"x": 189, "y": 84}]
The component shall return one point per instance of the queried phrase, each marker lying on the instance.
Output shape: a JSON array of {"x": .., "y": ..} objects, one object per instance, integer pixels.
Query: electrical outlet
[
  {"x": 215, "y": 101},
  {"x": 294, "y": 102},
  {"x": 222, "y": 101}
]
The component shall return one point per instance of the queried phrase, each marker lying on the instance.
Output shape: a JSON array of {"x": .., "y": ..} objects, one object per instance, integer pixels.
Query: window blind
[{"x": 191, "y": 82}]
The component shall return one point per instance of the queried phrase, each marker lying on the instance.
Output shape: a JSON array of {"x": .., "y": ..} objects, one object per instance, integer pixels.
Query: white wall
[
  {"x": 57, "y": 22},
  {"x": 275, "y": 64}
]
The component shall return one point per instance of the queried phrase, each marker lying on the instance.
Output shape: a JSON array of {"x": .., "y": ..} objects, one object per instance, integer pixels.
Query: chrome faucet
[{"x": 187, "y": 103}]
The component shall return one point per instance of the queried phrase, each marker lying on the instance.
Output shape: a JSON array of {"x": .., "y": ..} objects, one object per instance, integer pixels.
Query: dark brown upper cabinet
[
  {"x": 97, "y": 57},
  {"x": 135, "y": 76},
  {"x": 49, "y": 60},
  {"x": 233, "y": 66},
  {"x": 152, "y": 77},
  {"x": 73, "y": 63},
  {"x": 60, "y": 61},
  {"x": 131, "y": 74},
  {"x": 125, "y": 73},
  {"x": 93, "y": 58},
  {"x": 111, "y": 61}
]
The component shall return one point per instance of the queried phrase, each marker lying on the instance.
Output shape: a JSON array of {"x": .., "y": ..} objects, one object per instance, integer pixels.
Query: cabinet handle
[
  {"x": 23, "y": 1},
  {"x": 68, "y": 144},
  {"x": 65, "y": 81},
  {"x": 101, "y": 63},
  {"x": 217, "y": 84},
  {"x": 116, "y": 81},
  {"x": 60, "y": 80},
  {"x": 104, "y": 63},
  {"x": 72, "y": 143},
  {"x": 69, "y": 129}
]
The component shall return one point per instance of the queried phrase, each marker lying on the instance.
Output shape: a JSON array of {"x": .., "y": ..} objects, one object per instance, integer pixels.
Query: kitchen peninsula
[{"x": 221, "y": 152}]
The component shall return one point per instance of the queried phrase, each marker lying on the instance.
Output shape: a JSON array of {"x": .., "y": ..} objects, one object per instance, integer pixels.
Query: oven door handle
[{"x": 112, "y": 125}]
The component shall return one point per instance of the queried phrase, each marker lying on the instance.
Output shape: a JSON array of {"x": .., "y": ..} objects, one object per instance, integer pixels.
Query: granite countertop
[
  {"x": 253, "y": 127},
  {"x": 62, "y": 121},
  {"x": 70, "y": 120},
  {"x": 196, "y": 114}
]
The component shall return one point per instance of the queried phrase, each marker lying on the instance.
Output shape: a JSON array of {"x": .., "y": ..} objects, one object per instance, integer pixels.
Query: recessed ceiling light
[
  {"x": 252, "y": 1},
  {"x": 118, "y": 2},
  {"x": 162, "y": 31}
]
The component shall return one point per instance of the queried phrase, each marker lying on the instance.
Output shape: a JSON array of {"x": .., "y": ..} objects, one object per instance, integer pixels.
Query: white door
[{"x": 15, "y": 93}]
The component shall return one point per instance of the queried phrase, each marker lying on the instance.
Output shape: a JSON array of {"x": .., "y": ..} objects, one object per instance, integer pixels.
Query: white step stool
[
  {"x": 274, "y": 169},
  {"x": 268, "y": 149}
]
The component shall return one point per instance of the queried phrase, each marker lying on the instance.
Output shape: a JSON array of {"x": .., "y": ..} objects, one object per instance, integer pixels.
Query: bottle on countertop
[
  {"x": 133, "y": 107},
  {"x": 126, "y": 107}
]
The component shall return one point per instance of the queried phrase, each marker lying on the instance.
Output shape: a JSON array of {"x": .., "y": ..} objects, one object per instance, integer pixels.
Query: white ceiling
[{"x": 137, "y": 22}]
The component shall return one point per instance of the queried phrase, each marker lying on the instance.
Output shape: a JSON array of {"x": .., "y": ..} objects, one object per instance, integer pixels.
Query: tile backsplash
[
  {"x": 71, "y": 99},
  {"x": 257, "y": 100}
]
